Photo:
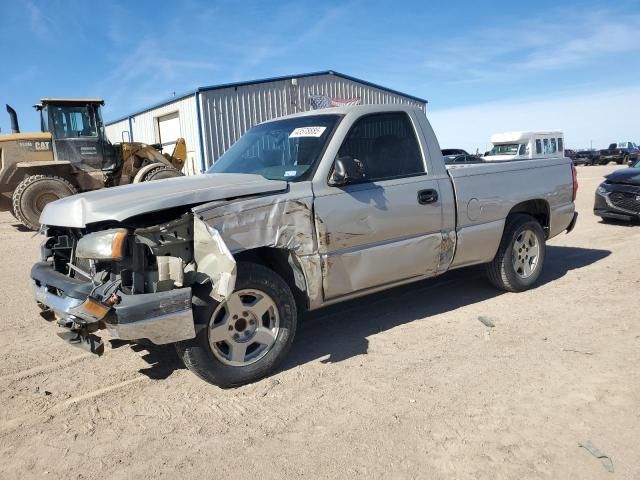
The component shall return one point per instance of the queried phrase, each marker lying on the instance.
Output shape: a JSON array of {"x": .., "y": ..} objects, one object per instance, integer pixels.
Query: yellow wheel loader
[{"x": 72, "y": 154}]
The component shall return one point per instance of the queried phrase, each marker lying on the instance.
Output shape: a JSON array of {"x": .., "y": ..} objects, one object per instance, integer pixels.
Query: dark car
[
  {"x": 457, "y": 156},
  {"x": 621, "y": 152},
  {"x": 462, "y": 159},
  {"x": 586, "y": 157},
  {"x": 453, "y": 151},
  {"x": 618, "y": 197}
]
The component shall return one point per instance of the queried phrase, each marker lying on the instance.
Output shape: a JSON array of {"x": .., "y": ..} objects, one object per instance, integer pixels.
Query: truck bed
[{"x": 485, "y": 194}]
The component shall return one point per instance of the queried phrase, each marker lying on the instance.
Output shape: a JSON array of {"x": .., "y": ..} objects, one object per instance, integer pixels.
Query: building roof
[
  {"x": 262, "y": 80},
  {"x": 507, "y": 137}
]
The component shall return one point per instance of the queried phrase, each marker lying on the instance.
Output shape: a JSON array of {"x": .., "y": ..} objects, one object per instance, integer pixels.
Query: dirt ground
[{"x": 404, "y": 384}]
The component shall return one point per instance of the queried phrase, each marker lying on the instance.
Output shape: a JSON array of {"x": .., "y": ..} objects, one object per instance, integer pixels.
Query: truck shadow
[{"x": 340, "y": 332}]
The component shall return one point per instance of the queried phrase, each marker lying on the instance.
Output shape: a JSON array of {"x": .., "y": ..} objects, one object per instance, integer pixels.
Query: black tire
[
  {"x": 197, "y": 354},
  {"x": 33, "y": 193},
  {"x": 501, "y": 271},
  {"x": 160, "y": 173}
]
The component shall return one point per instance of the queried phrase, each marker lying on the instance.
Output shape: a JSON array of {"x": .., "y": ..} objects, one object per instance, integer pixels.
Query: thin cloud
[{"x": 544, "y": 43}]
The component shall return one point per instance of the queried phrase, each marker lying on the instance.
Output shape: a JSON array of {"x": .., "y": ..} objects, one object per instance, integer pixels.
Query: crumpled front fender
[{"x": 213, "y": 258}]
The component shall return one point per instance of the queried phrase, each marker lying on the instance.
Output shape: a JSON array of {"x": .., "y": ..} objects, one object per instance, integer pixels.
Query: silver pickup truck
[{"x": 302, "y": 212}]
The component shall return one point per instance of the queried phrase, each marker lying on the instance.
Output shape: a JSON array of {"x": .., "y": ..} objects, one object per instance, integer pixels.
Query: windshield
[
  {"x": 507, "y": 149},
  {"x": 72, "y": 121},
  {"x": 281, "y": 150}
]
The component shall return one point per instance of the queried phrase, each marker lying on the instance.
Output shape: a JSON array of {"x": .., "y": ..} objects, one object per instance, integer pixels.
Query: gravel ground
[{"x": 403, "y": 384}]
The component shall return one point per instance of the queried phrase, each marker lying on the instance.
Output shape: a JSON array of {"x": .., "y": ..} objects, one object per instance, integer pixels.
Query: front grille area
[{"x": 626, "y": 200}]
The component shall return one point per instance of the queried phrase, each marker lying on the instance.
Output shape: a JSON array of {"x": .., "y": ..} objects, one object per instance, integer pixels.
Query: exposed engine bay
[{"x": 128, "y": 274}]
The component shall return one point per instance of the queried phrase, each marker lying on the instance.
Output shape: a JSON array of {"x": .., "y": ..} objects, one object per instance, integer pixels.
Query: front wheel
[
  {"x": 245, "y": 337},
  {"x": 520, "y": 257}
]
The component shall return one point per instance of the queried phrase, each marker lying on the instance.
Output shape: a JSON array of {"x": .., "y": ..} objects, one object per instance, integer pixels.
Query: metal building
[{"x": 212, "y": 118}]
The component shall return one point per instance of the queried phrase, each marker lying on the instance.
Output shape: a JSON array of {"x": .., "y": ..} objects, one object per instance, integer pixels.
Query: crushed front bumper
[{"x": 162, "y": 317}]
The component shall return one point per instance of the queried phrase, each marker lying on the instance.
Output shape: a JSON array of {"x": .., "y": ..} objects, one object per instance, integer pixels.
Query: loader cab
[{"x": 78, "y": 133}]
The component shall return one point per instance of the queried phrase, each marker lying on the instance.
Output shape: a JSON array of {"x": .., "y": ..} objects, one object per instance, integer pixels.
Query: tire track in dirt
[
  {"x": 62, "y": 406},
  {"x": 42, "y": 369}
]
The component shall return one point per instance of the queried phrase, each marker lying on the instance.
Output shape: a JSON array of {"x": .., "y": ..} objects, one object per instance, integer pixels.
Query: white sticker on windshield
[
  {"x": 307, "y": 132},
  {"x": 290, "y": 173}
]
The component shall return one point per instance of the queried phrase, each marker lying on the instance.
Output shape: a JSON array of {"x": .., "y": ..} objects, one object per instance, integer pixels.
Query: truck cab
[{"x": 526, "y": 145}]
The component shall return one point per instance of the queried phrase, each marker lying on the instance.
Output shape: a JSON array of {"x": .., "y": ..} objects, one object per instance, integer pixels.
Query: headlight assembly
[
  {"x": 105, "y": 245},
  {"x": 601, "y": 190}
]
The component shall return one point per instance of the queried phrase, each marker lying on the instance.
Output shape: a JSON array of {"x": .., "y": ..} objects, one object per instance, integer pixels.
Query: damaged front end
[{"x": 135, "y": 282}]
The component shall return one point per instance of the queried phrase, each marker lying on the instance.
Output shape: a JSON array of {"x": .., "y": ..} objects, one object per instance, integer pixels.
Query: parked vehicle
[
  {"x": 302, "y": 212},
  {"x": 455, "y": 156},
  {"x": 635, "y": 163},
  {"x": 526, "y": 145},
  {"x": 72, "y": 154},
  {"x": 622, "y": 152},
  {"x": 462, "y": 159},
  {"x": 587, "y": 157},
  {"x": 618, "y": 197},
  {"x": 446, "y": 152},
  {"x": 568, "y": 153}
]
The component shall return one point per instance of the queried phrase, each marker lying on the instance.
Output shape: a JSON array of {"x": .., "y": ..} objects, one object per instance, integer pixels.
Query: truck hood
[
  {"x": 628, "y": 176},
  {"x": 121, "y": 203}
]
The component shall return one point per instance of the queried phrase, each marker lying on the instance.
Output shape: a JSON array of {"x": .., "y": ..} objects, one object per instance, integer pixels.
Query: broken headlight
[{"x": 105, "y": 245}]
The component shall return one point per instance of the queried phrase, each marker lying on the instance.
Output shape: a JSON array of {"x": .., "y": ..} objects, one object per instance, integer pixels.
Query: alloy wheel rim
[
  {"x": 525, "y": 254},
  {"x": 244, "y": 328}
]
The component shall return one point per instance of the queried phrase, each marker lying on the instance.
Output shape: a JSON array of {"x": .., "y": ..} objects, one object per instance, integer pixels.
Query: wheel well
[
  {"x": 538, "y": 209},
  {"x": 62, "y": 171},
  {"x": 281, "y": 262}
]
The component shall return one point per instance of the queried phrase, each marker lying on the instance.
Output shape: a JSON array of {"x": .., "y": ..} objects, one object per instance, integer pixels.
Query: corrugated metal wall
[
  {"x": 145, "y": 127},
  {"x": 229, "y": 112},
  {"x": 114, "y": 130}
]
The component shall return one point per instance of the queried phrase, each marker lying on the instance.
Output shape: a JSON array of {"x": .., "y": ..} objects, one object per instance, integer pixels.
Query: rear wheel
[
  {"x": 34, "y": 193},
  {"x": 160, "y": 173},
  {"x": 518, "y": 263},
  {"x": 245, "y": 337}
]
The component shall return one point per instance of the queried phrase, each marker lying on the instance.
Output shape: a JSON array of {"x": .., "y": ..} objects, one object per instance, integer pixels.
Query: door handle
[{"x": 427, "y": 196}]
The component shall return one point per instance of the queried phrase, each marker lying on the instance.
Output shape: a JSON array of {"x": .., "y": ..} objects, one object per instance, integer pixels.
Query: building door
[{"x": 168, "y": 131}]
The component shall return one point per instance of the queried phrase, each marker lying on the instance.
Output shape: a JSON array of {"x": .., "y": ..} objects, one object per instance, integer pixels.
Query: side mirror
[{"x": 346, "y": 170}]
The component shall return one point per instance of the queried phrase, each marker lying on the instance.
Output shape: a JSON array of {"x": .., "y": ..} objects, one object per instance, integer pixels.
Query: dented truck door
[{"x": 386, "y": 226}]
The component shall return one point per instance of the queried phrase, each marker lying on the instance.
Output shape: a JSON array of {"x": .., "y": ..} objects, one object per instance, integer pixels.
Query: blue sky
[{"x": 483, "y": 66}]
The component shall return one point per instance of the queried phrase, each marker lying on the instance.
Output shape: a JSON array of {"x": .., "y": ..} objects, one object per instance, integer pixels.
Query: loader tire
[
  {"x": 160, "y": 173},
  {"x": 520, "y": 257},
  {"x": 34, "y": 193}
]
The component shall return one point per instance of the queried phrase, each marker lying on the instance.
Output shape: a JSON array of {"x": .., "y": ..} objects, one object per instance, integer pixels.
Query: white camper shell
[{"x": 526, "y": 145}]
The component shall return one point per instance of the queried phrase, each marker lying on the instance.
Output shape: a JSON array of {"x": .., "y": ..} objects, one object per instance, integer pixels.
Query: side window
[
  {"x": 560, "y": 144},
  {"x": 523, "y": 149},
  {"x": 546, "y": 145},
  {"x": 553, "y": 146},
  {"x": 538, "y": 146},
  {"x": 386, "y": 145}
]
